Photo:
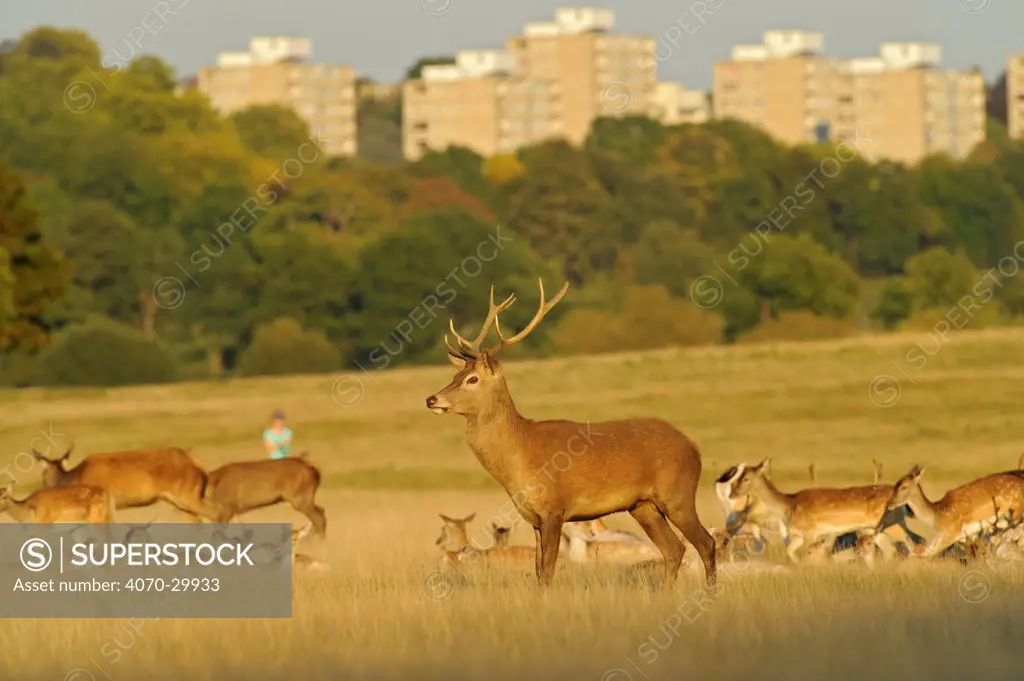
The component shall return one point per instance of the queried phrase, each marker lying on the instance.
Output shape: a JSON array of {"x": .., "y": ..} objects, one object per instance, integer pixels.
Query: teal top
[{"x": 282, "y": 441}]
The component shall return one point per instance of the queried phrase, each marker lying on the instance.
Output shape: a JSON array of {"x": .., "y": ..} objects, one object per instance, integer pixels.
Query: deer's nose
[{"x": 431, "y": 401}]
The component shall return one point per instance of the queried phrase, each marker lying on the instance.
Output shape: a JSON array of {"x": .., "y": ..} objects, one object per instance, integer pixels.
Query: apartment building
[
  {"x": 277, "y": 70},
  {"x": 672, "y": 104},
  {"x": 598, "y": 73},
  {"x": 1015, "y": 95},
  {"x": 900, "y": 99},
  {"x": 480, "y": 102}
]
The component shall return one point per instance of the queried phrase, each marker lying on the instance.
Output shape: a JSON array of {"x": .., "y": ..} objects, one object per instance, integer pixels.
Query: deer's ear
[
  {"x": 763, "y": 467},
  {"x": 490, "y": 363},
  {"x": 469, "y": 517},
  {"x": 445, "y": 518}
]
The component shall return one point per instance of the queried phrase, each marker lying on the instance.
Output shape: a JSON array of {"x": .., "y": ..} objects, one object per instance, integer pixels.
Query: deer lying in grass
[
  {"x": 72, "y": 504},
  {"x": 816, "y": 516},
  {"x": 456, "y": 551},
  {"x": 963, "y": 511},
  {"x": 301, "y": 561},
  {"x": 599, "y": 532},
  {"x": 641, "y": 465},
  {"x": 246, "y": 486},
  {"x": 583, "y": 547},
  {"x": 135, "y": 478}
]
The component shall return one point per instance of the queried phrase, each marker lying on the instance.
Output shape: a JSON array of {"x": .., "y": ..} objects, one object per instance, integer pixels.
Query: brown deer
[
  {"x": 457, "y": 552},
  {"x": 135, "y": 478},
  {"x": 301, "y": 561},
  {"x": 582, "y": 546},
  {"x": 245, "y": 486},
  {"x": 964, "y": 511},
  {"x": 502, "y": 535},
  {"x": 643, "y": 465},
  {"x": 816, "y": 516},
  {"x": 599, "y": 532},
  {"x": 72, "y": 504}
]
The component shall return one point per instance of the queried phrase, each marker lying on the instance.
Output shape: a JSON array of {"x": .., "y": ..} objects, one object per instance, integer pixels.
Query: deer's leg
[
  {"x": 659, "y": 531},
  {"x": 315, "y": 514},
  {"x": 537, "y": 540},
  {"x": 550, "y": 533},
  {"x": 796, "y": 540},
  {"x": 937, "y": 545},
  {"x": 686, "y": 520},
  {"x": 866, "y": 546}
]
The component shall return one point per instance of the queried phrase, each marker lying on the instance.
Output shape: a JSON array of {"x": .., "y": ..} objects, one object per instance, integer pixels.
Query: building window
[{"x": 821, "y": 132}]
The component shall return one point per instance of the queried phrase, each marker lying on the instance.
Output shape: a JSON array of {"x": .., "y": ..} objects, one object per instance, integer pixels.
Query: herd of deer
[
  {"x": 101, "y": 484},
  {"x": 651, "y": 470},
  {"x": 643, "y": 466}
]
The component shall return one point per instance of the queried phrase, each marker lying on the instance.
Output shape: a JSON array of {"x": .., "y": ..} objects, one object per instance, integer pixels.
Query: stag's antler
[
  {"x": 541, "y": 313},
  {"x": 471, "y": 350}
]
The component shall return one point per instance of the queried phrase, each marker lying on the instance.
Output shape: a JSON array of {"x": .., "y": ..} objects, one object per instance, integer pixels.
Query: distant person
[{"x": 277, "y": 439}]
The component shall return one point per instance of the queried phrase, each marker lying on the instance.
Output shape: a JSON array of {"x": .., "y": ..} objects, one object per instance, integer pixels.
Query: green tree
[
  {"x": 435, "y": 267},
  {"x": 938, "y": 278},
  {"x": 797, "y": 273},
  {"x": 283, "y": 347},
  {"x": 99, "y": 352},
  {"x": 272, "y": 131},
  {"x": 39, "y": 274},
  {"x": 563, "y": 212},
  {"x": 670, "y": 256},
  {"x": 982, "y": 213}
]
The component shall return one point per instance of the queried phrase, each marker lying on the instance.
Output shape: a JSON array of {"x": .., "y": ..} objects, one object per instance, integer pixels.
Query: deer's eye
[{"x": 472, "y": 380}]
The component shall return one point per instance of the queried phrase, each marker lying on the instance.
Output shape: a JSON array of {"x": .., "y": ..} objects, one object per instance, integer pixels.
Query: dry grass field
[{"x": 390, "y": 466}]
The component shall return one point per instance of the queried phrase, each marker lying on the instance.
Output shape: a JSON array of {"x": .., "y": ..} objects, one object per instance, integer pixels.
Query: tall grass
[{"x": 390, "y": 466}]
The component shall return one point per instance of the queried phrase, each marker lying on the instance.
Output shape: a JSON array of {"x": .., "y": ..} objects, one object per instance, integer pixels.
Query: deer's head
[
  {"x": 904, "y": 487},
  {"x": 478, "y": 384},
  {"x": 748, "y": 478},
  {"x": 501, "y": 534},
  {"x": 53, "y": 468},
  {"x": 453, "y": 534}
]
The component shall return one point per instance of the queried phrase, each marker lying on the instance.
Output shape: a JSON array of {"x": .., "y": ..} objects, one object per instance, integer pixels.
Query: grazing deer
[
  {"x": 72, "y": 504},
  {"x": 963, "y": 511},
  {"x": 642, "y": 465},
  {"x": 816, "y": 516},
  {"x": 135, "y": 478},
  {"x": 246, "y": 486},
  {"x": 455, "y": 548}
]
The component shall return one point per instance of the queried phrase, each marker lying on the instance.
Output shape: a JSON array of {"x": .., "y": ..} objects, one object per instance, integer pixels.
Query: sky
[{"x": 381, "y": 38}]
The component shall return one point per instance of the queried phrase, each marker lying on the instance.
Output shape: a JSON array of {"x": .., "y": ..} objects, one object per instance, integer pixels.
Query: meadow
[{"x": 390, "y": 466}]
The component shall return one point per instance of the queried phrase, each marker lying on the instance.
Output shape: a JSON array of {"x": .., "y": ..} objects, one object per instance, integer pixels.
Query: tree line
[{"x": 146, "y": 238}]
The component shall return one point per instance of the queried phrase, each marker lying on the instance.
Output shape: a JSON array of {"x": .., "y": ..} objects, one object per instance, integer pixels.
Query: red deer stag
[
  {"x": 240, "y": 487},
  {"x": 136, "y": 478},
  {"x": 73, "y": 504},
  {"x": 642, "y": 465}
]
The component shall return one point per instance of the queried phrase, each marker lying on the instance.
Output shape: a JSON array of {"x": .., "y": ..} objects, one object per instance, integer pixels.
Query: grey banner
[{"x": 154, "y": 571}]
